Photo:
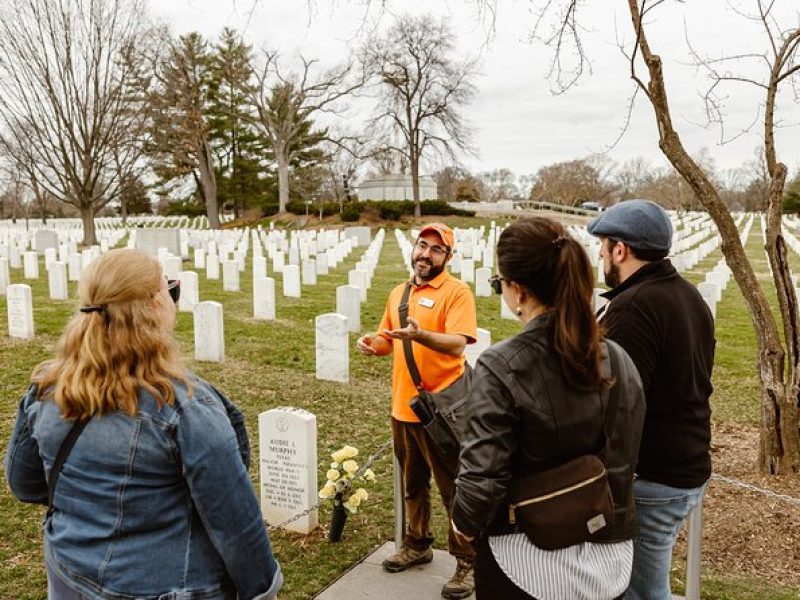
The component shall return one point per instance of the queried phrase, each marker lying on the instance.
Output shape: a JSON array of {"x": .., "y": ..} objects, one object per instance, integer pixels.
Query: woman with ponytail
[
  {"x": 537, "y": 402},
  {"x": 143, "y": 465}
]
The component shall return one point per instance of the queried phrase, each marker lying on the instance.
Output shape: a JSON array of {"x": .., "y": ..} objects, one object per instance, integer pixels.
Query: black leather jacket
[{"x": 522, "y": 417}]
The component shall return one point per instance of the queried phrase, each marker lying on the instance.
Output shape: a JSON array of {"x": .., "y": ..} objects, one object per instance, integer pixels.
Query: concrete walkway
[{"x": 368, "y": 581}]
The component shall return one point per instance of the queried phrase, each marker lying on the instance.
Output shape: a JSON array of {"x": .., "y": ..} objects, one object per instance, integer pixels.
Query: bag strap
[
  {"x": 408, "y": 352},
  {"x": 608, "y": 400},
  {"x": 61, "y": 457}
]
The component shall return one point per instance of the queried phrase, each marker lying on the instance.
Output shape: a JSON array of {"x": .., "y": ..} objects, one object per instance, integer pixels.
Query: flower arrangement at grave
[{"x": 342, "y": 477}]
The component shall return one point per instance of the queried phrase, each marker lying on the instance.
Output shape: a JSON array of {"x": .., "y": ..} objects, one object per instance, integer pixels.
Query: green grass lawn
[{"x": 271, "y": 364}]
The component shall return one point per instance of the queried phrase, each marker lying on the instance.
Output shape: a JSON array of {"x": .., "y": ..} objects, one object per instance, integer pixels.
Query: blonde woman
[{"x": 154, "y": 499}]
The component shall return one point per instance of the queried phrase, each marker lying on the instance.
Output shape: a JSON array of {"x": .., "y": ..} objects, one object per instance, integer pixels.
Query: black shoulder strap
[
  {"x": 61, "y": 457},
  {"x": 408, "y": 351}
]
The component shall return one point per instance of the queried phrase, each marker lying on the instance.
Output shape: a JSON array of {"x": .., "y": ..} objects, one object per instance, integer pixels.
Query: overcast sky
[{"x": 518, "y": 122}]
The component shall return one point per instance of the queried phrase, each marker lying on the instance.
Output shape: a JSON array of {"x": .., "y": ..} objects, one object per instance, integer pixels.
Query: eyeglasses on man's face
[
  {"x": 435, "y": 249},
  {"x": 174, "y": 289},
  {"x": 497, "y": 283}
]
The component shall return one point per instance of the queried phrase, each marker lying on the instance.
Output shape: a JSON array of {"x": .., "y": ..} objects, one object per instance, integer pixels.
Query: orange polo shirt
[{"x": 445, "y": 305}]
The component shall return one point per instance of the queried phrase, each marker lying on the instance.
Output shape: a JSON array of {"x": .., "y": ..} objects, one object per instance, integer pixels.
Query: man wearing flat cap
[
  {"x": 663, "y": 323},
  {"x": 441, "y": 322}
]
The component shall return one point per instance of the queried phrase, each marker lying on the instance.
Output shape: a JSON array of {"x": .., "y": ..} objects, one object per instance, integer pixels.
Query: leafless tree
[
  {"x": 287, "y": 104},
  {"x": 422, "y": 90},
  {"x": 775, "y": 67},
  {"x": 571, "y": 183},
  {"x": 66, "y": 114}
]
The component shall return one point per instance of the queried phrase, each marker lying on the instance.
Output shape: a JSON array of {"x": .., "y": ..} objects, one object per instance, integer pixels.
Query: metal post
[
  {"x": 399, "y": 506},
  {"x": 694, "y": 550}
]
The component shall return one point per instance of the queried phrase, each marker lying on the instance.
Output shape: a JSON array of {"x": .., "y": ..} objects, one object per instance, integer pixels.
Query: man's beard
[
  {"x": 612, "y": 277},
  {"x": 430, "y": 270}
]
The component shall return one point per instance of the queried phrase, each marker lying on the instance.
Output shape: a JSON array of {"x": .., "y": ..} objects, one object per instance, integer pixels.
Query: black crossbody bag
[
  {"x": 440, "y": 413},
  {"x": 63, "y": 452}
]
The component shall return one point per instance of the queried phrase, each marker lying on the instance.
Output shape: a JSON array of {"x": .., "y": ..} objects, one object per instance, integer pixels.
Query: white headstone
[
  {"x": 259, "y": 267},
  {"x": 291, "y": 281},
  {"x": 709, "y": 293},
  {"x": 468, "y": 270},
  {"x": 45, "y": 238},
  {"x": 212, "y": 267},
  {"x": 358, "y": 278},
  {"x": 5, "y": 277},
  {"x": 309, "y": 267},
  {"x": 190, "y": 294},
  {"x": 50, "y": 256},
  {"x": 333, "y": 356},
  {"x": 172, "y": 265},
  {"x": 473, "y": 351},
  {"x": 199, "y": 258},
  {"x": 230, "y": 276},
  {"x": 150, "y": 239},
  {"x": 31, "y": 265},
  {"x": 264, "y": 298},
  {"x": 20, "y": 311},
  {"x": 75, "y": 262},
  {"x": 209, "y": 333},
  {"x": 348, "y": 303},
  {"x": 57, "y": 280},
  {"x": 482, "y": 287},
  {"x": 322, "y": 264},
  {"x": 287, "y": 440}
]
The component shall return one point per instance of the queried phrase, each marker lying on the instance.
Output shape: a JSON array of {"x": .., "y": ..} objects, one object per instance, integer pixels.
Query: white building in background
[{"x": 396, "y": 187}]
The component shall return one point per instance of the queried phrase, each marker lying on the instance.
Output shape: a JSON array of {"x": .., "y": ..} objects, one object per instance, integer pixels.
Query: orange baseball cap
[{"x": 442, "y": 230}]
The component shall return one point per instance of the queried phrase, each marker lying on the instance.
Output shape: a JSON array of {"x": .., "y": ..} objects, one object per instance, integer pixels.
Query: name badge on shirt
[{"x": 426, "y": 302}]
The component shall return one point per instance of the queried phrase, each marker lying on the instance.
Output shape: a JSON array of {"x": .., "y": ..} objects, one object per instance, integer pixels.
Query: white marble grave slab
[
  {"x": 287, "y": 440},
  {"x": 309, "y": 268},
  {"x": 348, "y": 303},
  {"x": 333, "y": 348},
  {"x": 209, "y": 332},
  {"x": 230, "y": 276},
  {"x": 20, "y": 311},
  {"x": 57, "y": 281},
  {"x": 291, "y": 281},
  {"x": 190, "y": 294},
  {"x": 5, "y": 276},
  {"x": 30, "y": 262},
  {"x": 482, "y": 287},
  {"x": 264, "y": 298}
]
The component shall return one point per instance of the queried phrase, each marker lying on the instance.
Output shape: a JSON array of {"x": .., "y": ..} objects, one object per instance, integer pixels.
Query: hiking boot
[
  {"x": 462, "y": 584},
  {"x": 407, "y": 557}
]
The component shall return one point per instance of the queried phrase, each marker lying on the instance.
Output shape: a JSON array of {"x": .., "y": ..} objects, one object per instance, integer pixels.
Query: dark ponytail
[{"x": 540, "y": 255}]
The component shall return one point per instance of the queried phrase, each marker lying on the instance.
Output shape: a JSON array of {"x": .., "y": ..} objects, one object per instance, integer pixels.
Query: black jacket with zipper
[
  {"x": 523, "y": 417},
  {"x": 664, "y": 325}
]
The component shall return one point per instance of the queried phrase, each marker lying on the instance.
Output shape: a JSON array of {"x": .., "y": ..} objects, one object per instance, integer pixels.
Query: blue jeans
[
  {"x": 57, "y": 588},
  {"x": 660, "y": 512}
]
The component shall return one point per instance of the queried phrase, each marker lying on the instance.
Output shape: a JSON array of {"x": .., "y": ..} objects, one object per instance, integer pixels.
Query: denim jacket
[{"x": 158, "y": 505}]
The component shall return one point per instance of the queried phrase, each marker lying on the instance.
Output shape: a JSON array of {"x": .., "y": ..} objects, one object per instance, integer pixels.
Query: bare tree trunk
[
  {"x": 415, "y": 182},
  {"x": 283, "y": 178},
  {"x": 778, "y": 446},
  {"x": 87, "y": 216},
  {"x": 209, "y": 183}
]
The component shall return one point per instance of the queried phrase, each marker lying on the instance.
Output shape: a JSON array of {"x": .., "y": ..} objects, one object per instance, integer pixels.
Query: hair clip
[
  {"x": 560, "y": 241},
  {"x": 91, "y": 309}
]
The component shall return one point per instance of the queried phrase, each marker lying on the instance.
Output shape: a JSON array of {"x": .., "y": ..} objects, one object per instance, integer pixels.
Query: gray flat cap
[{"x": 641, "y": 224}]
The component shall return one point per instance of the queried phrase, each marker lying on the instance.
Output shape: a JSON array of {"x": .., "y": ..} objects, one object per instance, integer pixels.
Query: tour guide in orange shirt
[{"x": 441, "y": 321}]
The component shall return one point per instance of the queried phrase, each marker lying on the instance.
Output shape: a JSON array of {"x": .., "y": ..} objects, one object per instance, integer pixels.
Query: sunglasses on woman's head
[
  {"x": 174, "y": 289},
  {"x": 497, "y": 283}
]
